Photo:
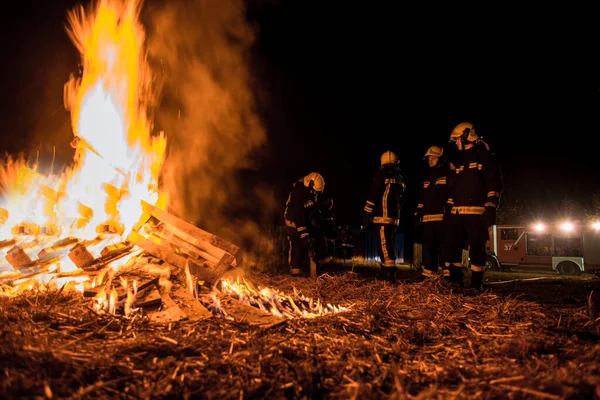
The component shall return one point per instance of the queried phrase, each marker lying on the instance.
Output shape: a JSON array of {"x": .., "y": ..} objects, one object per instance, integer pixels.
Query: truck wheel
[
  {"x": 568, "y": 268},
  {"x": 491, "y": 264}
]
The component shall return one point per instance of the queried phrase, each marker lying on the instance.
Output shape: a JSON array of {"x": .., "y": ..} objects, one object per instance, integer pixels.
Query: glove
[
  {"x": 489, "y": 216},
  {"x": 366, "y": 221}
]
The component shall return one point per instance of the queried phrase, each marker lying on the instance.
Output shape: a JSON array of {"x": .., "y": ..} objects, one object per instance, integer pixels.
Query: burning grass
[{"x": 416, "y": 340}]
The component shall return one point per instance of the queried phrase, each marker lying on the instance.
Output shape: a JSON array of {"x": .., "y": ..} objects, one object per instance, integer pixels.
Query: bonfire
[{"x": 100, "y": 226}]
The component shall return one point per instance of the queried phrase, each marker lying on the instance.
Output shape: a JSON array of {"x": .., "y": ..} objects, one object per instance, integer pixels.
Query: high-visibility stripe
[
  {"x": 472, "y": 210},
  {"x": 386, "y": 256},
  {"x": 489, "y": 204},
  {"x": 391, "y": 180},
  {"x": 477, "y": 269},
  {"x": 433, "y": 217},
  {"x": 384, "y": 202},
  {"x": 386, "y": 221},
  {"x": 492, "y": 193}
]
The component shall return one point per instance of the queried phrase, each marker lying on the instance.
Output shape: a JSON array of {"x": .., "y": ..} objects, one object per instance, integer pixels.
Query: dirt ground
[{"x": 529, "y": 336}]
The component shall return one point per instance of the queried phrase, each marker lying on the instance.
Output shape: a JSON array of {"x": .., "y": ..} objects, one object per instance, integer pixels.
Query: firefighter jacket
[
  {"x": 477, "y": 183},
  {"x": 434, "y": 193},
  {"x": 300, "y": 207},
  {"x": 386, "y": 196}
]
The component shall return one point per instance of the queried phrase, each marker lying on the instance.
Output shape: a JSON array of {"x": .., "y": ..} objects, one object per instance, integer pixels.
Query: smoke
[{"x": 200, "y": 50}]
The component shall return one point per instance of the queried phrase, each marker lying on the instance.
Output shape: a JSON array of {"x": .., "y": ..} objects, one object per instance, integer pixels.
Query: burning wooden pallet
[{"x": 179, "y": 243}]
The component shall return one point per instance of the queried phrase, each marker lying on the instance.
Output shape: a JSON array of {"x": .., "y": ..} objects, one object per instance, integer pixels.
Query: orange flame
[
  {"x": 276, "y": 302},
  {"x": 117, "y": 157}
]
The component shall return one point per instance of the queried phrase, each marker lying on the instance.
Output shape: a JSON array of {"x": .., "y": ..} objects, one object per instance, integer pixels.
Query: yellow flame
[
  {"x": 117, "y": 157},
  {"x": 276, "y": 302}
]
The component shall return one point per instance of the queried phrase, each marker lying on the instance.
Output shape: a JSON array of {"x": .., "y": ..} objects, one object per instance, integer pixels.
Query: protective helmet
[
  {"x": 314, "y": 180},
  {"x": 465, "y": 131},
  {"x": 436, "y": 151},
  {"x": 388, "y": 158}
]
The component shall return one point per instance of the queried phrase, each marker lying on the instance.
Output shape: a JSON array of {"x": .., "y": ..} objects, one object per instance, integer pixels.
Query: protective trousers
[
  {"x": 470, "y": 230},
  {"x": 434, "y": 252},
  {"x": 298, "y": 249},
  {"x": 386, "y": 245}
]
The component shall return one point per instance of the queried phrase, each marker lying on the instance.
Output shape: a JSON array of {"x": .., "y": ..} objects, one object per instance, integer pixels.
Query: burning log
[
  {"x": 26, "y": 228},
  {"x": 80, "y": 256},
  {"x": 146, "y": 282},
  {"x": 17, "y": 257},
  {"x": 110, "y": 227},
  {"x": 56, "y": 247},
  {"x": 86, "y": 261},
  {"x": 195, "y": 236},
  {"x": 184, "y": 245},
  {"x": 7, "y": 243}
]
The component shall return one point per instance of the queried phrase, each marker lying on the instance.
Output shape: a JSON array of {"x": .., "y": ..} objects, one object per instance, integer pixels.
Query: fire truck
[{"x": 567, "y": 247}]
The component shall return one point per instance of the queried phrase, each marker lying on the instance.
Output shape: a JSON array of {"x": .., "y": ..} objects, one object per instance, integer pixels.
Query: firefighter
[
  {"x": 302, "y": 221},
  {"x": 430, "y": 212},
  {"x": 473, "y": 199},
  {"x": 382, "y": 210}
]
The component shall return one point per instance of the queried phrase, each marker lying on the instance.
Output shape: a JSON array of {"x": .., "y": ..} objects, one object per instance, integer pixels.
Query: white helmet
[
  {"x": 388, "y": 158},
  {"x": 316, "y": 180}
]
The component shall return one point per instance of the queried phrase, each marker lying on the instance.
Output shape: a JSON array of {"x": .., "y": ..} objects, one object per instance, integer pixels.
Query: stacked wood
[{"x": 206, "y": 256}]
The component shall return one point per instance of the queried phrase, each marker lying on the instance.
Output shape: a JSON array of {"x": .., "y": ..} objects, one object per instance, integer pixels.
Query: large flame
[{"x": 117, "y": 158}]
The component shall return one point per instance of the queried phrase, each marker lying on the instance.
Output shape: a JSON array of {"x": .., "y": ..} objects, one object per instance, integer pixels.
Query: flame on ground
[{"x": 276, "y": 302}]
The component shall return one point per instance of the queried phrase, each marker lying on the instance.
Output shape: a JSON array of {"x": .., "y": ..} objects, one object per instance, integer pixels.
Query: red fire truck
[{"x": 567, "y": 247}]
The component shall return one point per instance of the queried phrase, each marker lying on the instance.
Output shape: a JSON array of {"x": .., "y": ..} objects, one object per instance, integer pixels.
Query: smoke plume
[{"x": 200, "y": 50}]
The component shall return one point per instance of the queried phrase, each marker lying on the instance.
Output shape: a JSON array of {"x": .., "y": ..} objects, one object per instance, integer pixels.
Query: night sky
[{"x": 344, "y": 83}]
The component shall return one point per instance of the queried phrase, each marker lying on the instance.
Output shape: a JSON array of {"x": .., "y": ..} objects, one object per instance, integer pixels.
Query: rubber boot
[
  {"x": 390, "y": 274},
  {"x": 456, "y": 276},
  {"x": 476, "y": 281},
  {"x": 446, "y": 274}
]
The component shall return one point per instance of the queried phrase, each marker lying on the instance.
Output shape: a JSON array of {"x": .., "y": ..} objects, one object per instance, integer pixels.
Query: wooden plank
[
  {"x": 199, "y": 269},
  {"x": 204, "y": 272},
  {"x": 191, "y": 233},
  {"x": 57, "y": 247},
  {"x": 192, "y": 308},
  {"x": 142, "y": 284},
  {"x": 80, "y": 256},
  {"x": 7, "y": 243},
  {"x": 17, "y": 257},
  {"x": 169, "y": 312},
  {"x": 157, "y": 250},
  {"x": 184, "y": 246},
  {"x": 148, "y": 297}
]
